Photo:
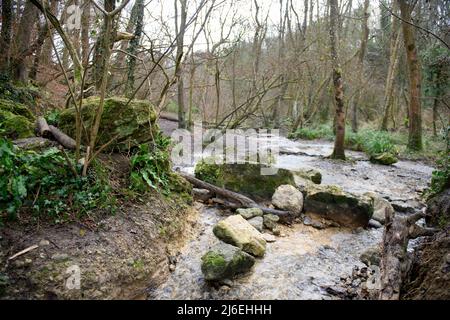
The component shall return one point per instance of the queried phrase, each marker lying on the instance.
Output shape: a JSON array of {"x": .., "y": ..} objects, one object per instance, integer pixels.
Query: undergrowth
[{"x": 46, "y": 185}]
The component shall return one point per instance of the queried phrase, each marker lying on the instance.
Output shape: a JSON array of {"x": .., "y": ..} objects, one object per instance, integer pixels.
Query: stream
[{"x": 303, "y": 260}]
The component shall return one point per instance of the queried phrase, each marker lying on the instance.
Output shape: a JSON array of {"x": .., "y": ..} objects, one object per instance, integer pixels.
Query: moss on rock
[
  {"x": 243, "y": 178},
  {"x": 133, "y": 124},
  {"x": 385, "y": 158},
  {"x": 225, "y": 261},
  {"x": 16, "y": 120},
  {"x": 333, "y": 203}
]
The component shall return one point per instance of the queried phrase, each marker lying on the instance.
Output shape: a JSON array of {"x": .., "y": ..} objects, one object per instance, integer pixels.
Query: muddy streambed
[{"x": 303, "y": 261}]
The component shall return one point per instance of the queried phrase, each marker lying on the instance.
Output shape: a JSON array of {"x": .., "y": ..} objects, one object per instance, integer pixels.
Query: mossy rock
[
  {"x": 243, "y": 178},
  {"x": 331, "y": 203},
  {"x": 133, "y": 124},
  {"x": 239, "y": 232},
  {"x": 385, "y": 158},
  {"x": 224, "y": 261},
  {"x": 16, "y": 120}
]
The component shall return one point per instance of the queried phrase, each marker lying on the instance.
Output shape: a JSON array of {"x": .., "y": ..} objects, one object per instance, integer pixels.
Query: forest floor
[{"x": 123, "y": 256}]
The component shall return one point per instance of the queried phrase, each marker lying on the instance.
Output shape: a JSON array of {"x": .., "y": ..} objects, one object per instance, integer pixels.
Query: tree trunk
[
  {"x": 5, "y": 36},
  {"x": 85, "y": 25},
  {"x": 415, "y": 112},
  {"x": 134, "y": 43},
  {"x": 393, "y": 62},
  {"x": 179, "y": 63},
  {"x": 22, "y": 42},
  {"x": 104, "y": 39},
  {"x": 361, "y": 56},
  {"x": 338, "y": 152}
]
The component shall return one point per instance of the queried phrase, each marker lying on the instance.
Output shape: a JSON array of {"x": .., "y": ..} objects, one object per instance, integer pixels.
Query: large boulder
[
  {"x": 331, "y": 203},
  {"x": 244, "y": 178},
  {"x": 131, "y": 125},
  {"x": 380, "y": 206},
  {"x": 385, "y": 158},
  {"x": 224, "y": 261},
  {"x": 288, "y": 198},
  {"x": 16, "y": 120},
  {"x": 239, "y": 232}
]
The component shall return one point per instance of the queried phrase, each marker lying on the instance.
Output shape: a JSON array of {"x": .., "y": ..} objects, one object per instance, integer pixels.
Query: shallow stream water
[{"x": 303, "y": 261}]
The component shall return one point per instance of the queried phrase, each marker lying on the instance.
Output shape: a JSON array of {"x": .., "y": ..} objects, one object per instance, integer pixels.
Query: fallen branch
[
  {"x": 23, "y": 252},
  {"x": 238, "y": 200},
  {"x": 63, "y": 139},
  {"x": 395, "y": 261},
  {"x": 42, "y": 128}
]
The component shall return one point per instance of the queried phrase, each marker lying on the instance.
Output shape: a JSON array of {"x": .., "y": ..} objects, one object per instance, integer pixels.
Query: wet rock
[
  {"x": 385, "y": 158},
  {"x": 331, "y": 203},
  {"x": 249, "y": 213},
  {"x": 380, "y": 205},
  {"x": 288, "y": 198},
  {"x": 243, "y": 178},
  {"x": 224, "y": 261},
  {"x": 371, "y": 257},
  {"x": 308, "y": 221},
  {"x": 268, "y": 237},
  {"x": 201, "y": 194},
  {"x": 375, "y": 224},
  {"x": 270, "y": 221},
  {"x": 407, "y": 206},
  {"x": 257, "y": 223},
  {"x": 309, "y": 174},
  {"x": 44, "y": 243},
  {"x": 239, "y": 232}
]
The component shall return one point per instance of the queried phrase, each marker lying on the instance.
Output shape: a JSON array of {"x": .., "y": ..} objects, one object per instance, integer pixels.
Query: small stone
[
  {"x": 268, "y": 237},
  {"x": 256, "y": 222},
  {"x": 28, "y": 262},
  {"x": 44, "y": 243},
  {"x": 59, "y": 256},
  {"x": 375, "y": 224},
  {"x": 270, "y": 221},
  {"x": 277, "y": 232},
  {"x": 248, "y": 213},
  {"x": 171, "y": 267},
  {"x": 201, "y": 194}
]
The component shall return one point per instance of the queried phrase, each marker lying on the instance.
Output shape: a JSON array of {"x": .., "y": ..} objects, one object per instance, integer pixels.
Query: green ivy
[
  {"x": 44, "y": 183},
  {"x": 150, "y": 166}
]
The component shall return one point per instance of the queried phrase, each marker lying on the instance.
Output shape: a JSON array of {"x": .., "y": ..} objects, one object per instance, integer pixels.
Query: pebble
[
  {"x": 269, "y": 237},
  {"x": 44, "y": 243},
  {"x": 60, "y": 256},
  {"x": 171, "y": 267}
]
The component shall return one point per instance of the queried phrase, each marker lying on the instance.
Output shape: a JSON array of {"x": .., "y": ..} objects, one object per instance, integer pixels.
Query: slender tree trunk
[
  {"x": 415, "y": 112},
  {"x": 179, "y": 63},
  {"x": 85, "y": 25},
  {"x": 5, "y": 36},
  {"x": 100, "y": 47},
  {"x": 361, "y": 56},
  {"x": 338, "y": 152},
  {"x": 134, "y": 43},
  {"x": 393, "y": 63}
]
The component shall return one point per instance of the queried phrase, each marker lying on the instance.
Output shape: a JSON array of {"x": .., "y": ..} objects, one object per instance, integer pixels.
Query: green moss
[
  {"x": 131, "y": 125},
  {"x": 15, "y": 126},
  {"x": 16, "y": 120},
  {"x": 244, "y": 178},
  {"x": 385, "y": 158}
]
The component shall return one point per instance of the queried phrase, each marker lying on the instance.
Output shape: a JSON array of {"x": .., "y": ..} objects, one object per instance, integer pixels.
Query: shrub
[
  {"x": 44, "y": 183},
  {"x": 310, "y": 133},
  {"x": 150, "y": 166}
]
